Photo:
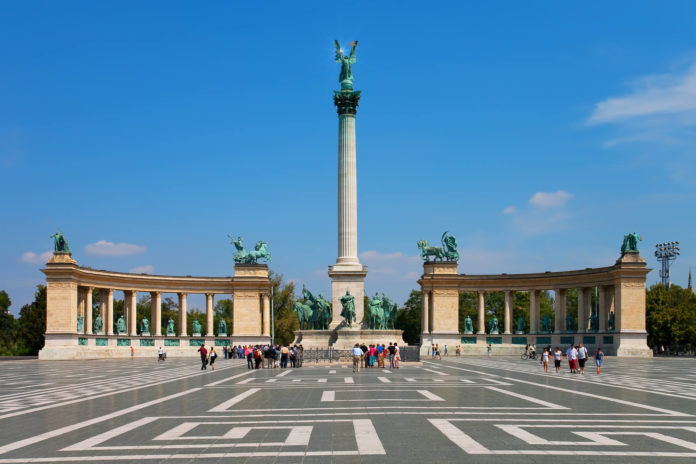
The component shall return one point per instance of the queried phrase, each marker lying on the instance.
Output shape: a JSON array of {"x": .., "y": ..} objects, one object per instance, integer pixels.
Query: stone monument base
[{"x": 346, "y": 337}]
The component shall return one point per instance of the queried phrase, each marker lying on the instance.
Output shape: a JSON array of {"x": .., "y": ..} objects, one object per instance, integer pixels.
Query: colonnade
[{"x": 604, "y": 309}]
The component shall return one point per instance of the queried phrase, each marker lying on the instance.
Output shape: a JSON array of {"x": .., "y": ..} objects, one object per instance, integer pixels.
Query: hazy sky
[{"x": 538, "y": 133}]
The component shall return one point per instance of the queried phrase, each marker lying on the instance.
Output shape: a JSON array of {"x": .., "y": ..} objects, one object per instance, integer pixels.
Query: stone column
[
  {"x": 266, "y": 302},
  {"x": 133, "y": 314},
  {"x": 209, "y": 319},
  {"x": 109, "y": 321},
  {"x": 88, "y": 310},
  {"x": 481, "y": 313},
  {"x": 103, "y": 296},
  {"x": 584, "y": 301},
  {"x": 508, "y": 312},
  {"x": 534, "y": 300},
  {"x": 156, "y": 313},
  {"x": 425, "y": 314},
  {"x": 559, "y": 308},
  {"x": 182, "y": 314}
]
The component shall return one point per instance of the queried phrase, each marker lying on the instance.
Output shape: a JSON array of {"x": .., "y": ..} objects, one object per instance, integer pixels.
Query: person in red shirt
[{"x": 204, "y": 357}]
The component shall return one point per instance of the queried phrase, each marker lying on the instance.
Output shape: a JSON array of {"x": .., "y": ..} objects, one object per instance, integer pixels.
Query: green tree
[
  {"x": 408, "y": 318},
  {"x": 7, "y": 325},
  {"x": 468, "y": 306},
  {"x": 284, "y": 318},
  {"x": 31, "y": 325},
  {"x": 671, "y": 317},
  {"x": 223, "y": 310}
]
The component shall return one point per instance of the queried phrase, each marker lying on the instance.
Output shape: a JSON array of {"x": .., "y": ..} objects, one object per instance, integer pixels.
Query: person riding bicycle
[
  {"x": 160, "y": 354},
  {"x": 531, "y": 351}
]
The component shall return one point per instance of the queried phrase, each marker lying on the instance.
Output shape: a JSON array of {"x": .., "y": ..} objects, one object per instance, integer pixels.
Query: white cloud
[
  {"x": 147, "y": 269},
  {"x": 104, "y": 248},
  {"x": 665, "y": 94},
  {"x": 32, "y": 258},
  {"x": 551, "y": 199},
  {"x": 509, "y": 210}
]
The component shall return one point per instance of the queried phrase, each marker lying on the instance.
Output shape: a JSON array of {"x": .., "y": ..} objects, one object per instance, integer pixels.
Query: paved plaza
[{"x": 480, "y": 409}]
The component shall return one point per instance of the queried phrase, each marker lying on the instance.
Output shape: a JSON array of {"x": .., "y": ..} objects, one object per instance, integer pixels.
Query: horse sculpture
[
  {"x": 252, "y": 257},
  {"x": 304, "y": 315},
  {"x": 375, "y": 313},
  {"x": 448, "y": 250}
]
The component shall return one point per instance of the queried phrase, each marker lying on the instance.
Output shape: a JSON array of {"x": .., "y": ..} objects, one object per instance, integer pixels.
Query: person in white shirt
[
  {"x": 160, "y": 354},
  {"x": 357, "y": 356},
  {"x": 572, "y": 355},
  {"x": 582, "y": 358}
]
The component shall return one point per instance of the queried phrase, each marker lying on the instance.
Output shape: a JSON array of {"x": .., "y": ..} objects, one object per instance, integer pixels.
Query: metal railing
[{"x": 331, "y": 355}]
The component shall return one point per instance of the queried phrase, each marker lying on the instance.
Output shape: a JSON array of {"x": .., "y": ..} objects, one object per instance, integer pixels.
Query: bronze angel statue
[{"x": 346, "y": 76}]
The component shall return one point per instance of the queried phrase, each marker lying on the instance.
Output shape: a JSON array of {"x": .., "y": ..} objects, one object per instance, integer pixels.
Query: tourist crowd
[
  {"x": 576, "y": 355},
  {"x": 368, "y": 355}
]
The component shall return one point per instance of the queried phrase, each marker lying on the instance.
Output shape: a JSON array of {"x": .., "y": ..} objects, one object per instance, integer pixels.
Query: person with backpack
[{"x": 249, "y": 353}]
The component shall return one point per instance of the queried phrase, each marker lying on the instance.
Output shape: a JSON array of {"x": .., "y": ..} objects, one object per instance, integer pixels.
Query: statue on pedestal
[
  {"x": 346, "y": 75},
  {"x": 493, "y": 326},
  {"x": 222, "y": 328},
  {"x": 144, "y": 326},
  {"x": 60, "y": 244},
  {"x": 322, "y": 313},
  {"x": 468, "y": 325},
  {"x": 170, "y": 327},
  {"x": 348, "y": 307},
  {"x": 520, "y": 325},
  {"x": 242, "y": 257},
  {"x": 98, "y": 324},
  {"x": 630, "y": 243},
  {"x": 447, "y": 252},
  {"x": 569, "y": 323},
  {"x": 121, "y": 326},
  {"x": 375, "y": 314},
  {"x": 80, "y": 323},
  {"x": 196, "y": 327},
  {"x": 612, "y": 322},
  {"x": 545, "y": 324},
  {"x": 594, "y": 322}
]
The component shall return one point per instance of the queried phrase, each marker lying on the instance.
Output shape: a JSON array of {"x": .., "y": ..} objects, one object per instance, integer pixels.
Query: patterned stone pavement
[{"x": 499, "y": 409}]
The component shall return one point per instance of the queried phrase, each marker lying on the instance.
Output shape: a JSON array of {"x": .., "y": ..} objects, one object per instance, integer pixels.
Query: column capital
[{"x": 346, "y": 101}]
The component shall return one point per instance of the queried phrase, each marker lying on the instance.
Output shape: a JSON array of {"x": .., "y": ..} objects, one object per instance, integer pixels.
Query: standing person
[
  {"x": 211, "y": 358},
  {"x": 357, "y": 355},
  {"x": 380, "y": 355},
  {"x": 582, "y": 358},
  {"x": 373, "y": 355},
  {"x": 557, "y": 357},
  {"x": 391, "y": 350},
  {"x": 545, "y": 360},
  {"x": 572, "y": 356},
  {"x": 434, "y": 352},
  {"x": 132, "y": 351},
  {"x": 160, "y": 354},
  {"x": 599, "y": 356},
  {"x": 284, "y": 353},
  {"x": 490, "y": 350},
  {"x": 258, "y": 358},
  {"x": 459, "y": 350},
  {"x": 204, "y": 357},
  {"x": 248, "y": 352},
  {"x": 366, "y": 357},
  {"x": 446, "y": 351},
  {"x": 293, "y": 356},
  {"x": 299, "y": 355},
  {"x": 397, "y": 356}
]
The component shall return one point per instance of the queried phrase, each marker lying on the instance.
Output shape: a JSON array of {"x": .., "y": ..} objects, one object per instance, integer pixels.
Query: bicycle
[{"x": 531, "y": 355}]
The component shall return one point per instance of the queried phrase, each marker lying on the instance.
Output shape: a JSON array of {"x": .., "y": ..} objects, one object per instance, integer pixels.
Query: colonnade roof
[
  {"x": 632, "y": 267},
  {"x": 97, "y": 278}
]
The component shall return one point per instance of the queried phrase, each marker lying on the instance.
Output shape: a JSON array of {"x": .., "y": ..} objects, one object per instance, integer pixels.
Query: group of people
[
  {"x": 577, "y": 356},
  {"x": 367, "y": 356},
  {"x": 207, "y": 357},
  {"x": 274, "y": 356}
]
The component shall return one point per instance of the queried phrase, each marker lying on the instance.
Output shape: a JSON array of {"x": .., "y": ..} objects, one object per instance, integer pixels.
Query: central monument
[{"x": 347, "y": 274}]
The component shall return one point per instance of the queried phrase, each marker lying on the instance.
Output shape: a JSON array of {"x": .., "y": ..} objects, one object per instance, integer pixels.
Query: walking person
[
  {"x": 357, "y": 355},
  {"x": 490, "y": 350},
  {"x": 572, "y": 356},
  {"x": 204, "y": 357},
  {"x": 545, "y": 360},
  {"x": 373, "y": 355},
  {"x": 366, "y": 357},
  {"x": 557, "y": 357},
  {"x": 380, "y": 355},
  {"x": 212, "y": 356},
  {"x": 459, "y": 350},
  {"x": 397, "y": 356},
  {"x": 446, "y": 351},
  {"x": 160, "y": 354},
  {"x": 248, "y": 353},
  {"x": 599, "y": 357},
  {"x": 582, "y": 358}
]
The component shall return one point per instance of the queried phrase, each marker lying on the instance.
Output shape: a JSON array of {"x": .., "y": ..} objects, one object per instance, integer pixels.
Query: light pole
[
  {"x": 272, "y": 320},
  {"x": 666, "y": 253}
]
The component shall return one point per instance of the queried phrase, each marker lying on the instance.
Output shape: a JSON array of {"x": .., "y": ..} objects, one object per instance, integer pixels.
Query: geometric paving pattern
[{"x": 457, "y": 409}]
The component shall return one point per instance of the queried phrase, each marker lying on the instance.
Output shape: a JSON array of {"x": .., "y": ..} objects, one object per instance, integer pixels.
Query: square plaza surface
[{"x": 499, "y": 409}]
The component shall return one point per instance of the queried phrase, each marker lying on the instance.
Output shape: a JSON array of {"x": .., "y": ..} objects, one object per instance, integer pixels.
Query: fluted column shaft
[
  {"x": 508, "y": 312},
  {"x": 481, "y": 313},
  {"x": 88, "y": 310},
  {"x": 109, "y": 321},
  {"x": 182, "y": 314},
  {"x": 347, "y": 192},
  {"x": 534, "y": 309},
  {"x": 133, "y": 314},
  {"x": 156, "y": 313},
  {"x": 425, "y": 314},
  {"x": 559, "y": 307},
  {"x": 209, "y": 320},
  {"x": 266, "y": 315}
]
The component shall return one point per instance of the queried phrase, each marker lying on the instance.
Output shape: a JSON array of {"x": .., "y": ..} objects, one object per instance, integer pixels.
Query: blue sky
[{"x": 537, "y": 133}]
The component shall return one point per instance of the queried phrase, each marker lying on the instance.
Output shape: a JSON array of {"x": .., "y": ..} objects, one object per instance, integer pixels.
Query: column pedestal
[{"x": 352, "y": 279}]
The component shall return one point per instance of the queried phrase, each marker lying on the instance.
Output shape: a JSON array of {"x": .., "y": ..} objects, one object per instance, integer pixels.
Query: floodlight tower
[{"x": 666, "y": 253}]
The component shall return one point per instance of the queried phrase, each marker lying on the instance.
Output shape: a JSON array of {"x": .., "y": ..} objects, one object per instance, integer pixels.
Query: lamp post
[{"x": 666, "y": 253}]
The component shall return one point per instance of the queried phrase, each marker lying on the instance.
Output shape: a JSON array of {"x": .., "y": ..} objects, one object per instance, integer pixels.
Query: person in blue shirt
[{"x": 357, "y": 356}]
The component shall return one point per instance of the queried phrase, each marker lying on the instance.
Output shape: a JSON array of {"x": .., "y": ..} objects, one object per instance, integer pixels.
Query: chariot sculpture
[
  {"x": 260, "y": 251},
  {"x": 447, "y": 252}
]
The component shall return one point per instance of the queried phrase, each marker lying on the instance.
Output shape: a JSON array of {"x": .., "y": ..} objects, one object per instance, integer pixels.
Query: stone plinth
[
  {"x": 346, "y": 337},
  {"x": 352, "y": 279}
]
